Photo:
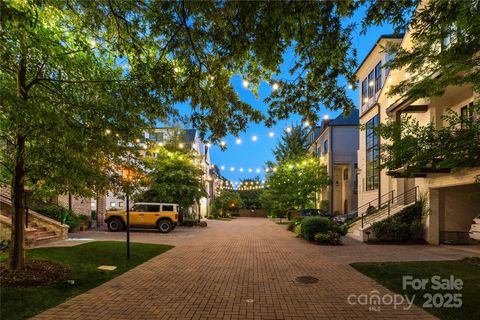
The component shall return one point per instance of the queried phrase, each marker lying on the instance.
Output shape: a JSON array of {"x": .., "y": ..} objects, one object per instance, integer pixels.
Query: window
[
  {"x": 355, "y": 180},
  {"x": 364, "y": 92},
  {"x": 345, "y": 174},
  {"x": 378, "y": 76},
  {"x": 373, "y": 156},
  {"x": 168, "y": 207},
  {"x": 156, "y": 136},
  {"x": 153, "y": 208},
  {"x": 466, "y": 115},
  {"x": 371, "y": 84},
  {"x": 325, "y": 146},
  {"x": 319, "y": 151},
  {"x": 112, "y": 204},
  {"x": 120, "y": 204}
]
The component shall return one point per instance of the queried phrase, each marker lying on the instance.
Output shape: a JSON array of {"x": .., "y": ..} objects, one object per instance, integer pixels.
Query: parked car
[
  {"x": 163, "y": 216},
  {"x": 475, "y": 228},
  {"x": 343, "y": 218},
  {"x": 315, "y": 212}
]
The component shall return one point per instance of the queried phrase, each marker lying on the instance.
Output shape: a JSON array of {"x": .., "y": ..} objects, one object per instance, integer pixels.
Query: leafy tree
[
  {"x": 74, "y": 70},
  {"x": 292, "y": 145},
  {"x": 445, "y": 45},
  {"x": 173, "y": 177},
  {"x": 227, "y": 201},
  {"x": 293, "y": 184},
  {"x": 250, "y": 191},
  {"x": 415, "y": 148}
]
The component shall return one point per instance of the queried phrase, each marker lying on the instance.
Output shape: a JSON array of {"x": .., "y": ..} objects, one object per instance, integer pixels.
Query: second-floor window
[
  {"x": 373, "y": 157},
  {"x": 364, "y": 92},
  {"x": 325, "y": 146},
  {"x": 378, "y": 77},
  {"x": 371, "y": 84}
]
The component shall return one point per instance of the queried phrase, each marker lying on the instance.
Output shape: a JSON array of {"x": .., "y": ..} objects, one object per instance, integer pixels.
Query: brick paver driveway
[{"x": 242, "y": 269}]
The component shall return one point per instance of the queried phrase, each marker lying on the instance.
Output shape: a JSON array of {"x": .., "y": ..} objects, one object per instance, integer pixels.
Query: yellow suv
[{"x": 163, "y": 216}]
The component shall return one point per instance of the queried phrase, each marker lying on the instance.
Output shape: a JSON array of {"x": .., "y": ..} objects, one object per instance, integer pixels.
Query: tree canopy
[{"x": 173, "y": 177}]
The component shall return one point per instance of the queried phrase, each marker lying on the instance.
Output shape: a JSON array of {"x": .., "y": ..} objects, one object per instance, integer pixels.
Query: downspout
[
  {"x": 330, "y": 165},
  {"x": 379, "y": 171}
]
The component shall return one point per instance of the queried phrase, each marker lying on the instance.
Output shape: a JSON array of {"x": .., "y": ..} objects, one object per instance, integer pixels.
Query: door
[
  {"x": 137, "y": 214},
  {"x": 152, "y": 214}
]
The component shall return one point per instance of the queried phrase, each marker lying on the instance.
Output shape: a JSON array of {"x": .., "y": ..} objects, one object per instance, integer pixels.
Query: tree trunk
[
  {"x": 17, "y": 247},
  {"x": 17, "y": 250}
]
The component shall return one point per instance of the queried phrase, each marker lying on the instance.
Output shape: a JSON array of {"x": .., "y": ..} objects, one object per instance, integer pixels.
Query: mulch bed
[{"x": 36, "y": 273}]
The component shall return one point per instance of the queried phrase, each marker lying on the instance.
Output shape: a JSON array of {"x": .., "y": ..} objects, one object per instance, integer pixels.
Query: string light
[
  {"x": 306, "y": 123},
  {"x": 350, "y": 86},
  {"x": 271, "y": 134},
  {"x": 370, "y": 83},
  {"x": 254, "y": 138},
  {"x": 208, "y": 144},
  {"x": 325, "y": 117},
  {"x": 108, "y": 131},
  {"x": 241, "y": 169},
  {"x": 232, "y": 169},
  {"x": 275, "y": 86},
  {"x": 238, "y": 141},
  {"x": 258, "y": 170},
  {"x": 181, "y": 145},
  {"x": 288, "y": 129},
  {"x": 222, "y": 167},
  {"x": 223, "y": 143},
  {"x": 176, "y": 70},
  {"x": 245, "y": 83},
  {"x": 137, "y": 140},
  {"x": 250, "y": 170}
]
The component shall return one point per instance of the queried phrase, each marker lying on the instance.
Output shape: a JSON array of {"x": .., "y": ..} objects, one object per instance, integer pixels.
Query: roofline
[{"x": 383, "y": 36}]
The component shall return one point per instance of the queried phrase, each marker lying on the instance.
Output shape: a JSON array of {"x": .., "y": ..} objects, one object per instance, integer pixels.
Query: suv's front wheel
[
  {"x": 164, "y": 226},
  {"x": 115, "y": 225}
]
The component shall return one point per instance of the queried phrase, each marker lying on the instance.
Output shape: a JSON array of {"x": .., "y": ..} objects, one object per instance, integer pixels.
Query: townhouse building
[
  {"x": 449, "y": 193},
  {"x": 336, "y": 143},
  {"x": 185, "y": 138}
]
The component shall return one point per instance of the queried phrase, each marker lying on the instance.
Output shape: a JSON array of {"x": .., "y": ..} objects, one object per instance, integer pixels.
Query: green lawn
[
  {"x": 390, "y": 274},
  {"x": 82, "y": 262}
]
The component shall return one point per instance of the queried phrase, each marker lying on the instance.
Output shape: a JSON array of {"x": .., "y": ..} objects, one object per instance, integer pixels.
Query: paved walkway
[{"x": 241, "y": 269}]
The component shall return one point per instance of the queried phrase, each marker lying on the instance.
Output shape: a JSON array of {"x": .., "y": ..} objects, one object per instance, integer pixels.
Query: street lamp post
[
  {"x": 127, "y": 177},
  {"x": 128, "y": 222}
]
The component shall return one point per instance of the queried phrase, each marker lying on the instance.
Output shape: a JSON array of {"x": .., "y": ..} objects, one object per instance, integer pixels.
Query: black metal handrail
[{"x": 407, "y": 197}]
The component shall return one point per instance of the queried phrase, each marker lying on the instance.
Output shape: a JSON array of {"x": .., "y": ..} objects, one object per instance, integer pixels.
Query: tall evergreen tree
[{"x": 292, "y": 145}]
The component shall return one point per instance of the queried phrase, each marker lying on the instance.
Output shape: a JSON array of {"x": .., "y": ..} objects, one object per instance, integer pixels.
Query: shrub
[
  {"x": 188, "y": 223},
  {"x": 404, "y": 226},
  {"x": 325, "y": 205},
  {"x": 313, "y": 225},
  {"x": 84, "y": 222},
  {"x": 342, "y": 230},
  {"x": 329, "y": 237},
  {"x": 235, "y": 214},
  {"x": 296, "y": 221},
  {"x": 93, "y": 215},
  {"x": 4, "y": 245},
  {"x": 297, "y": 230}
]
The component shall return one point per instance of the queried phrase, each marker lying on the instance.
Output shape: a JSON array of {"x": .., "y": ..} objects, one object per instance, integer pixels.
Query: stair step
[
  {"x": 43, "y": 234},
  {"x": 47, "y": 239}
]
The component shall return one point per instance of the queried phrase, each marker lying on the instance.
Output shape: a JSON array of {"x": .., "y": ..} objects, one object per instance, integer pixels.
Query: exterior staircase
[
  {"x": 386, "y": 206},
  {"x": 40, "y": 229}
]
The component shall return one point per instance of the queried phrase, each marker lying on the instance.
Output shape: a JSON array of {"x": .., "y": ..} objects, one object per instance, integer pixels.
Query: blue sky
[{"x": 253, "y": 154}]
